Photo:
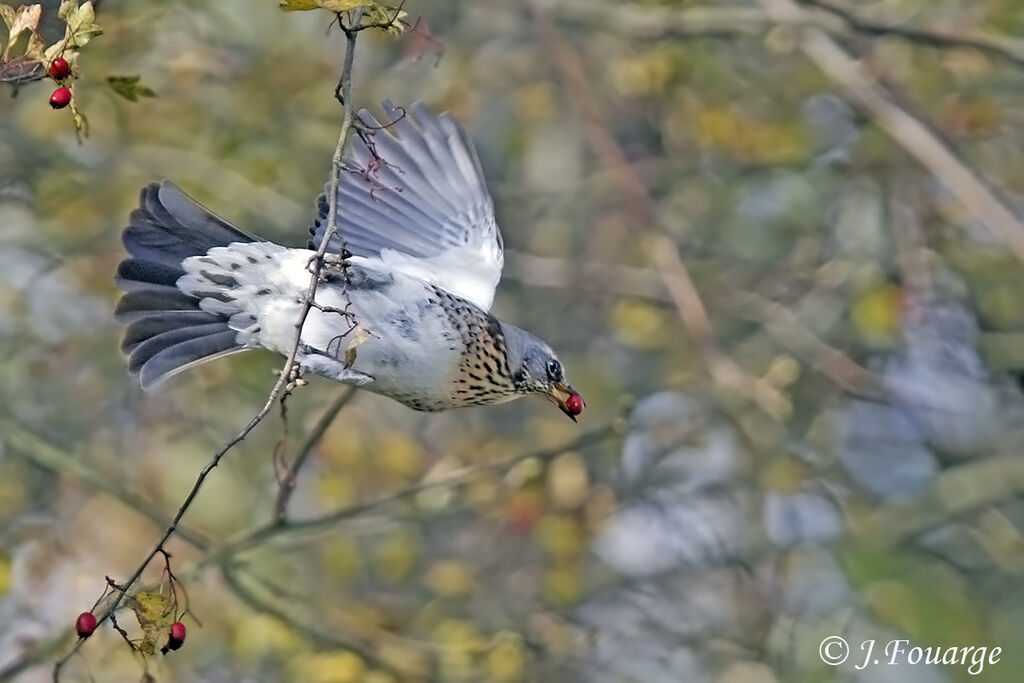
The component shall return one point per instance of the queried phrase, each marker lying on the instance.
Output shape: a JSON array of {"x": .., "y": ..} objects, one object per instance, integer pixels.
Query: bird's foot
[
  {"x": 293, "y": 378},
  {"x": 330, "y": 368}
]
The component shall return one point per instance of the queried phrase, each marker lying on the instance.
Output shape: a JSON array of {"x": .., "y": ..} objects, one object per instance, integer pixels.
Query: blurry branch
[
  {"x": 557, "y": 273},
  {"x": 262, "y": 200},
  {"x": 52, "y": 458},
  {"x": 913, "y": 135},
  {"x": 307, "y": 627},
  {"x": 954, "y": 493},
  {"x": 1003, "y": 47},
  {"x": 675, "y": 276},
  {"x": 288, "y": 373},
  {"x": 780, "y": 323},
  {"x": 654, "y": 23},
  {"x": 785, "y": 328},
  {"x": 911, "y": 246},
  {"x": 458, "y": 477},
  {"x": 312, "y": 439},
  {"x": 38, "y": 655}
]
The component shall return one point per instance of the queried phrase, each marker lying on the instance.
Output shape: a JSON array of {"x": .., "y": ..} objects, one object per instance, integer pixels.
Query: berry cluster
[
  {"x": 59, "y": 71},
  {"x": 86, "y": 624}
]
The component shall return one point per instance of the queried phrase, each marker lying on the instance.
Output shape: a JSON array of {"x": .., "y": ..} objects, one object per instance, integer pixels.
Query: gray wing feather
[
  {"x": 427, "y": 197},
  {"x": 170, "y": 360}
]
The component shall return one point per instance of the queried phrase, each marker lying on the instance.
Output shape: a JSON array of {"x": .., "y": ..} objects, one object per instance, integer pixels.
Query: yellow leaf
[
  {"x": 563, "y": 586},
  {"x": 66, "y": 8},
  {"x": 7, "y": 14},
  {"x": 561, "y": 536},
  {"x": 337, "y": 667},
  {"x": 26, "y": 19},
  {"x": 261, "y": 635},
  {"x": 876, "y": 314},
  {"x": 506, "y": 661},
  {"x": 568, "y": 481},
  {"x": 638, "y": 324},
  {"x": 329, "y": 5},
  {"x": 399, "y": 456},
  {"x": 450, "y": 579},
  {"x": 150, "y": 607},
  {"x": 5, "y": 575},
  {"x": 395, "y": 557}
]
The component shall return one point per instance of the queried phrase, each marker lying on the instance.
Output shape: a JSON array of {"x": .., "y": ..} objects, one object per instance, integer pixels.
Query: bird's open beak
[{"x": 560, "y": 394}]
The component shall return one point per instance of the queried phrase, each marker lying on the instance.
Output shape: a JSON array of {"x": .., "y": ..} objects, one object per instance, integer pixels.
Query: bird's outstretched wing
[{"x": 418, "y": 202}]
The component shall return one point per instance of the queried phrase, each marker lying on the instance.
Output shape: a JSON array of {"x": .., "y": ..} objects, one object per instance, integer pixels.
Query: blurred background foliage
[{"x": 838, "y": 453}]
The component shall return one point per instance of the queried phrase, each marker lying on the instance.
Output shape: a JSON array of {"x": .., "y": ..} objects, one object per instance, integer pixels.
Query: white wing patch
[{"x": 471, "y": 272}]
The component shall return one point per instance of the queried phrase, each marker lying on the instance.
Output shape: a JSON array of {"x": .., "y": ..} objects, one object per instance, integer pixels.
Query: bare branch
[
  {"x": 46, "y": 455},
  {"x": 325, "y": 522},
  {"x": 907, "y": 131},
  {"x": 289, "y": 370},
  {"x": 692, "y": 23},
  {"x": 312, "y": 439},
  {"x": 1010, "y": 49}
]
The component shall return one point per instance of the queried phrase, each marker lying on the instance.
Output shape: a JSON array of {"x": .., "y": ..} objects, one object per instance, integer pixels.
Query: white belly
[{"x": 406, "y": 344}]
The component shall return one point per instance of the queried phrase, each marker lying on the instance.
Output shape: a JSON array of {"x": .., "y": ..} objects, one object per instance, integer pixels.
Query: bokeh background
[{"x": 801, "y": 351}]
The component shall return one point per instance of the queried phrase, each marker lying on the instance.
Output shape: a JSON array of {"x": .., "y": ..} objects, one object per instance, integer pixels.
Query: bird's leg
[{"x": 325, "y": 366}]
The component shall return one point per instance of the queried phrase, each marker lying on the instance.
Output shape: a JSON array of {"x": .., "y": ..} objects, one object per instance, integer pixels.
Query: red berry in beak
[
  {"x": 177, "y": 636},
  {"x": 85, "y": 624},
  {"x": 59, "y": 69},
  {"x": 60, "y": 98},
  {"x": 574, "y": 404}
]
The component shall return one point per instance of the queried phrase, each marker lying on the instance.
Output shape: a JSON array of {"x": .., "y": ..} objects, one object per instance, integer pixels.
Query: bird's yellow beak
[{"x": 567, "y": 400}]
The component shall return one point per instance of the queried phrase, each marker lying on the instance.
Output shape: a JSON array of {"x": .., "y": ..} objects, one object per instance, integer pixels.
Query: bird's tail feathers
[{"x": 171, "y": 328}]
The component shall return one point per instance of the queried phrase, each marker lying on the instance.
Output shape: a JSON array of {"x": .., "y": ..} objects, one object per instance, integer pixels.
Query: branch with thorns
[{"x": 288, "y": 374}]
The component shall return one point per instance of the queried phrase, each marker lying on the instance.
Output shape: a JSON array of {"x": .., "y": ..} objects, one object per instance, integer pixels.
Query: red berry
[
  {"x": 85, "y": 624},
  {"x": 59, "y": 69},
  {"x": 574, "y": 404},
  {"x": 60, "y": 98},
  {"x": 177, "y": 636}
]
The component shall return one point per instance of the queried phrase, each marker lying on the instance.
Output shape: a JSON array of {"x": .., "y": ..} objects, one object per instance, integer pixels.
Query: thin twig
[
  {"x": 312, "y": 439},
  {"x": 705, "y": 22},
  {"x": 290, "y": 365},
  {"x": 1002, "y": 47}
]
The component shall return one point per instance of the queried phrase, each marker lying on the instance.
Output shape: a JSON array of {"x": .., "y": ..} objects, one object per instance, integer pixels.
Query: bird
[{"x": 402, "y": 306}]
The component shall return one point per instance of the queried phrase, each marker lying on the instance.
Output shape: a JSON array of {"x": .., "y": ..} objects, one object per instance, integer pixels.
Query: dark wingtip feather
[
  {"x": 166, "y": 330},
  {"x": 172, "y": 360}
]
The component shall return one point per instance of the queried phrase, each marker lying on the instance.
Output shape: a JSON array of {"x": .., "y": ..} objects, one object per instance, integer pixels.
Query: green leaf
[{"x": 130, "y": 87}]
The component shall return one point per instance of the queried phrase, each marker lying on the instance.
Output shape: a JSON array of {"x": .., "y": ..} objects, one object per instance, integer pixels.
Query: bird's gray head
[{"x": 536, "y": 370}]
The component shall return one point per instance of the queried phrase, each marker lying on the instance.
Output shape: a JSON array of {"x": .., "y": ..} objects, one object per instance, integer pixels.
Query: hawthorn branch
[{"x": 290, "y": 366}]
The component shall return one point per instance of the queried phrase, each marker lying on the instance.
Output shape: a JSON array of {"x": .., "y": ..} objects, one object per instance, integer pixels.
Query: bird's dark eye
[{"x": 554, "y": 370}]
